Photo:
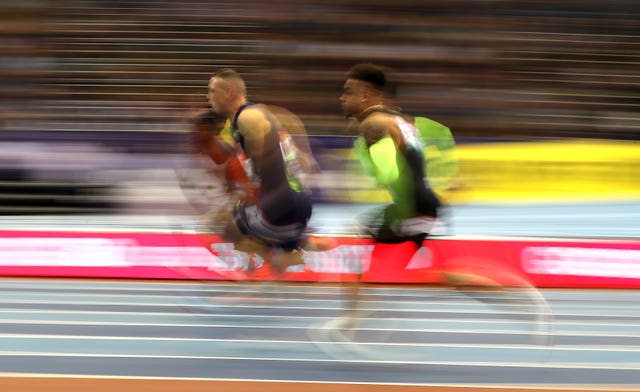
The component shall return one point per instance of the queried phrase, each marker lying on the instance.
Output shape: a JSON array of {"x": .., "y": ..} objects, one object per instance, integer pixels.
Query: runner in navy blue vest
[{"x": 274, "y": 224}]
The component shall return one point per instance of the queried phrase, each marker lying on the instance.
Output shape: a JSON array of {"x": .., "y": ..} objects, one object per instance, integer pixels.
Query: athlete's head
[
  {"x": 226, "y": 91},
  {"x": 208, "y": 138},
  {"x": 209, "y": 124},
  {"x": 364, "y": 87}
]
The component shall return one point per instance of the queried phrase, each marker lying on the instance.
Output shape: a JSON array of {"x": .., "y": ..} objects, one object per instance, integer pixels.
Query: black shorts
[{"x": 388, "y": 228}]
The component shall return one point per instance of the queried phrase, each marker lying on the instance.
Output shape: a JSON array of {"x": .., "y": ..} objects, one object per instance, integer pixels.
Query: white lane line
[
  {"x": 260, "y": 316},
  {"x": 258, "y": 300},
  {"x": 277, "y": 307},
  {"x": 583, "y": 295},
  {"x": 183, "y": 314},
  {"x": 594, "y": 365},
  {"x": 472, "y": 308},
  {"x": 172, "y": 286},
  {"x": 282, "y": 318},
  {"x": 234, "y": 288},
  {"x": 177, "y": 285},
  {"x": 301, "y": 327},
  {"x": 606, "y": 334},
  {"x": 633, "y": 319},
  {"x": 483, "y": 346},
  {"x": 306, "y": 319},
  {"x": 220, "y": 286},
  {"x": 443, "y": 297}
]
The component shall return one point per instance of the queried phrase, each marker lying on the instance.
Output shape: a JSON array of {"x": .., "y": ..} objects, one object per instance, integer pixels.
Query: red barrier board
[{"x": 508, "y": 261}]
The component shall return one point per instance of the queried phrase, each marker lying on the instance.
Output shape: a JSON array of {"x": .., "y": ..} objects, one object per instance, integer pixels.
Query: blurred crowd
[
  {"x": 131, "y": 69},
  {"x": 128, "y": 75}
]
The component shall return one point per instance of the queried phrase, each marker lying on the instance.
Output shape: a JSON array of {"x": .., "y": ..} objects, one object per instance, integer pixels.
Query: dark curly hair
[{"x": 370, "y": 73}]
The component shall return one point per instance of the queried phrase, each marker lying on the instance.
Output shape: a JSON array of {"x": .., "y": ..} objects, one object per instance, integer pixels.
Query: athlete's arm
[
  {"x": 382, "y": 150},
  {"x": 253, "y": 125},
  {"x": 383, "y": 157}
]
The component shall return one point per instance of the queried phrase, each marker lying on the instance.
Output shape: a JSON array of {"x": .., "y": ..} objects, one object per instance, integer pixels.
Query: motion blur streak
[{"x": 112, "y": 84}]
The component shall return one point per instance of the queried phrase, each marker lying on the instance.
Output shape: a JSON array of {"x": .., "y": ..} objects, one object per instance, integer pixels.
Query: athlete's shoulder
[
  {"x": 251, "y": 116},
  {"x": 377, "y": 126},
  {"x": 287, "y": 120}
]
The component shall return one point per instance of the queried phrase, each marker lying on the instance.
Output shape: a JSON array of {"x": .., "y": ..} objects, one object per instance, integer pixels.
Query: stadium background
[
  {"x": 106, "y": 88},
  {"x": 95, "y": 95}
]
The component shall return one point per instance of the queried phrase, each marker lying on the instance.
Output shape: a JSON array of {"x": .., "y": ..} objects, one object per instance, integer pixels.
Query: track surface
[
  {"x": 134, "y": 332},
  {"x": 109, "y": 335}
]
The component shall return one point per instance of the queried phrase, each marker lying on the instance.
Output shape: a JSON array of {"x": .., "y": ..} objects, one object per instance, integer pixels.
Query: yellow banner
[
  {"x": 549, "y": 171},
  {"x": 527, "y": 172}
]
